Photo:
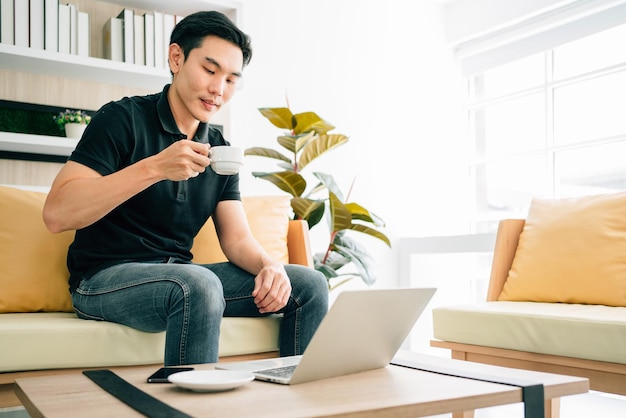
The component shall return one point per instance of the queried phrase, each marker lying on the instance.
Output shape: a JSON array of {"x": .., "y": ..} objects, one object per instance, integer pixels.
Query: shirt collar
[{"x": 169, "y": 124}]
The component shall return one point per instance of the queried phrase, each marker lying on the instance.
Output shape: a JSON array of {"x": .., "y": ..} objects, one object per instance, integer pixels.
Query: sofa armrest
[
  {"x": 298, "y": 243},
  {"x": 507, "y": 239}
]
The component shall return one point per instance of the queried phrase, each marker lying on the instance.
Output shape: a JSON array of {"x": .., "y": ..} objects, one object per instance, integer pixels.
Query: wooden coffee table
[{"x": 392, "y": 391}]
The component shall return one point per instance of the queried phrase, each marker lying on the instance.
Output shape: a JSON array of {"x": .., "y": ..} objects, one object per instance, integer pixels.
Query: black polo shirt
[{"x": 159, "y": 222}]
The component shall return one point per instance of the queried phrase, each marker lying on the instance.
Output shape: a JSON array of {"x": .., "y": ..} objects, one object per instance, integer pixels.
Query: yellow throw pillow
[
  {"x": 571, "y": 251},
  {"x": 268, "y": 217},
  {"x": 33, "y": 272}
]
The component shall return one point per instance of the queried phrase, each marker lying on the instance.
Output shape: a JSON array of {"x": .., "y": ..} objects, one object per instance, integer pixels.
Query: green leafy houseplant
[{"x": 306, "y": 139}]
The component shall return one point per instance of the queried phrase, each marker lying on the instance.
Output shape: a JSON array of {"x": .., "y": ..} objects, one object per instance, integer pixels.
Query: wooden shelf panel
[
  {"x": 184, "y": 7},
  {"x": 37, "y": 144},
  {"x": 78, "y": 67}
]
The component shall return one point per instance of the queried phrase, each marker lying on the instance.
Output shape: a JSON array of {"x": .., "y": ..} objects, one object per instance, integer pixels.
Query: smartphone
[{"x": 160, "y": 376}]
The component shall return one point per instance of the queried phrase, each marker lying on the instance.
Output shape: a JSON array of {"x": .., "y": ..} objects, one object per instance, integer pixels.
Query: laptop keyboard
[{"x": 286, "y": 371}]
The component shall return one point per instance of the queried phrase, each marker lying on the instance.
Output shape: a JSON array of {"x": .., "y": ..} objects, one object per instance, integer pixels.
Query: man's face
[{"x": 206, "y": 79}]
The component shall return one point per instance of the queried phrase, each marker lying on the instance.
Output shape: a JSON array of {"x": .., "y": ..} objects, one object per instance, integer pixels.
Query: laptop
[{"x": 363, "y": 330}]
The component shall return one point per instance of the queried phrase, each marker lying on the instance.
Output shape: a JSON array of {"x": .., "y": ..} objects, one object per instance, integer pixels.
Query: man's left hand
[{"x": 272, "y": 289}]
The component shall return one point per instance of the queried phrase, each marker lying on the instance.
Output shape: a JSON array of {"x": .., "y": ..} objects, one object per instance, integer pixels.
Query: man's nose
[{"x": 217, "y": 85}]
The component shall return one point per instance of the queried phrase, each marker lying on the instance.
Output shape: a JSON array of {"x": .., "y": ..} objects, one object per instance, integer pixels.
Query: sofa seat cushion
[
  {"x": 593, "y": 332},
  {"x": 36, "y": 341}
]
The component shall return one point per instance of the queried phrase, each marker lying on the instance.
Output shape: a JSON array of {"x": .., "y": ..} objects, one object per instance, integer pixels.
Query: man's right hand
[{"x": 182, "y": 160}]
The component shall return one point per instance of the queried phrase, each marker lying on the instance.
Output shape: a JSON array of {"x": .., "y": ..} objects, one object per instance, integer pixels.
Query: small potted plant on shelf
[
  {"x": 306, "y": 138},
  {"x": 73, "y": 122}
]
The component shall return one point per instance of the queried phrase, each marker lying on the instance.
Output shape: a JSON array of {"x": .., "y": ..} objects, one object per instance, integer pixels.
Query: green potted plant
[
  {"x": 73, "y": 122},
  {"x": 306, "y": 139}
]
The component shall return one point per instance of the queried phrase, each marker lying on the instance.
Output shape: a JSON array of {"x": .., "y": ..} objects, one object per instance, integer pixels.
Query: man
[{"x": 137, "y": 190}]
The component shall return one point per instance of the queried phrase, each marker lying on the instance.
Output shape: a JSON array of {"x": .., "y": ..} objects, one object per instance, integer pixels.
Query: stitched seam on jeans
[
  {"x": 127, "y": 285},
  {"x": 297, "y": 330},
  {"x": 184, "y": 332}
]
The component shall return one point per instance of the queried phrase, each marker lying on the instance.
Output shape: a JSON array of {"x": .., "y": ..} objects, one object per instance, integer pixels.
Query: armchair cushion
[{"x": 571, "y": 251}]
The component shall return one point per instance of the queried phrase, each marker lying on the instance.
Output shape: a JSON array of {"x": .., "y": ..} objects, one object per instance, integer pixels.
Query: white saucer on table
[{"x": 210, "y": 380}]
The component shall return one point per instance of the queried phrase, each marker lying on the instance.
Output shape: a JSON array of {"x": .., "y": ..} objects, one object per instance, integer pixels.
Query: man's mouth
[{"x": 210, "y": 104}]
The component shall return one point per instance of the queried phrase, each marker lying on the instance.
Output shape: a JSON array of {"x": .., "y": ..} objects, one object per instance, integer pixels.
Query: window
[{"x": 552, "y": 124}]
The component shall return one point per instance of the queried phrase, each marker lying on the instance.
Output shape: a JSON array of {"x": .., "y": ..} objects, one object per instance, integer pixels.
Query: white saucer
[{"x": 210, "y": 380}]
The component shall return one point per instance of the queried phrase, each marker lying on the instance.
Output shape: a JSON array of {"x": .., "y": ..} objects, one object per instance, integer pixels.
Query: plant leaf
[
  {"x": 325, "y": 268},
  {"x": 294, "y": 143},
  {"x": 347, "y": 278},
  {"x": 360, "y": 259},
  {"x": 371, "y": 232},
  {"x": 286, "y": 166},
  {"x": 318, "y": 188},
  {"x": 339, "y": 215},
  {"x": 266, "y": 152},
  {"x": 319, "y": 146},
  {"x": 329, "y": 182},
  {"x": 310, "y": 121},
  {"x": 308, "y": 209},
  {"x": 287, "y": 181},
  {"x": 281, "y": 117},
  {"x": 334, "y": 261},
  {"x": 360, "y": 213}
]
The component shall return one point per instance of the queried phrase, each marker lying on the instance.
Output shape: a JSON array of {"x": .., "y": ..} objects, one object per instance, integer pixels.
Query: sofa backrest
[{"x": 33, "y": 272}]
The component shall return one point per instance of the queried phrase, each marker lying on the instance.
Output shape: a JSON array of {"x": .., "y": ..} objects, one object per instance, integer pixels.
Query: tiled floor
[{"x": 593, "y": 404}]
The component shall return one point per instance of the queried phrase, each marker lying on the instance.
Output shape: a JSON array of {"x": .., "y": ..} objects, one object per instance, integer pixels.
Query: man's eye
[
  {"x": 210, "y": 71},
  {"x": 231, "y": 80}
]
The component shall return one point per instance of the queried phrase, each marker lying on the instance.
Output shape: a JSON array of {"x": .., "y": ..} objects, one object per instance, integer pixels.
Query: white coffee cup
[{"x": 226, "y": 160}]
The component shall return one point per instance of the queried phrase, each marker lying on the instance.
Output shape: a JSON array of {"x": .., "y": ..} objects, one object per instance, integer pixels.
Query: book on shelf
[
  {"x": 159, "y": 48},
  {"x": 112, "y": 39},
  {"x": 140, "y": 41},
  {"x": 73, "y": 29},
  {"x": 148, "y": 24},
  {"x": 128, "y": 24},
  {"x": 6, "y": 22},
  {"x": 36, "y": 23},
  {"x": 169, "y": 21},
  {"x": 21, "y": 23},
  {"x": 51, "y": 25},
  {"x": 83, "y": 37},
  {"x": 64, "y": 28}
]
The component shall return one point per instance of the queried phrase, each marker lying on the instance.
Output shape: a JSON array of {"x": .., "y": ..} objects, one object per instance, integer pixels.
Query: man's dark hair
[{"x": 191, "y": 31}]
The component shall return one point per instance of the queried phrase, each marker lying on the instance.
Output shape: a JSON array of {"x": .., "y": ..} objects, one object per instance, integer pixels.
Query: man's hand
[
  {"x": 272, "y": 289},
  {"x": 183, "y": 160}
]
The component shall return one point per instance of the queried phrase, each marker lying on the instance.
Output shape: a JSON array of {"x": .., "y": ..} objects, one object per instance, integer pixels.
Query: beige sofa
[
  {"x": 569, "y": 315},
  {"x": 41, "y": 335}
]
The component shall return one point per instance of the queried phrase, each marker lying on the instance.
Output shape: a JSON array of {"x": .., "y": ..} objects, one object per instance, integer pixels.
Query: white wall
[{"x": 382, "y": 74}]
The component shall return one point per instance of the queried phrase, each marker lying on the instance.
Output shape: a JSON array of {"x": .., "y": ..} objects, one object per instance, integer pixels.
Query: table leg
[
  {"x": 553, "y": 408},
  {"x": 464, "y": 414}
]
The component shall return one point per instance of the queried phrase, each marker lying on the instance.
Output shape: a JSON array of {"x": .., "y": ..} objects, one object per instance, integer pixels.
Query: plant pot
[{"x": 74, "y": 130}]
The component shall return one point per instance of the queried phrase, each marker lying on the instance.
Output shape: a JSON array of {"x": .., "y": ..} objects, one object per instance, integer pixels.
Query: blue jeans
[{"x": 188, "y": 301}]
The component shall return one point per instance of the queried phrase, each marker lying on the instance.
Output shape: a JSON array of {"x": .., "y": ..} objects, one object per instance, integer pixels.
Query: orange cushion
[
  {"x": 571, "y": 251},
  {"x": 33, "y": 272},
  {"x": 269, "y": 222}
]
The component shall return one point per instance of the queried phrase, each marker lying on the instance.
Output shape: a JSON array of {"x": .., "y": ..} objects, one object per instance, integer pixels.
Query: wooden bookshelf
[{"x": 77, "y": 82}]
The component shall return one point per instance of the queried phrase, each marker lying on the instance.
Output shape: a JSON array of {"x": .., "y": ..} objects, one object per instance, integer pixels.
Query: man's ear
[{"x": 175, "y": 57}]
